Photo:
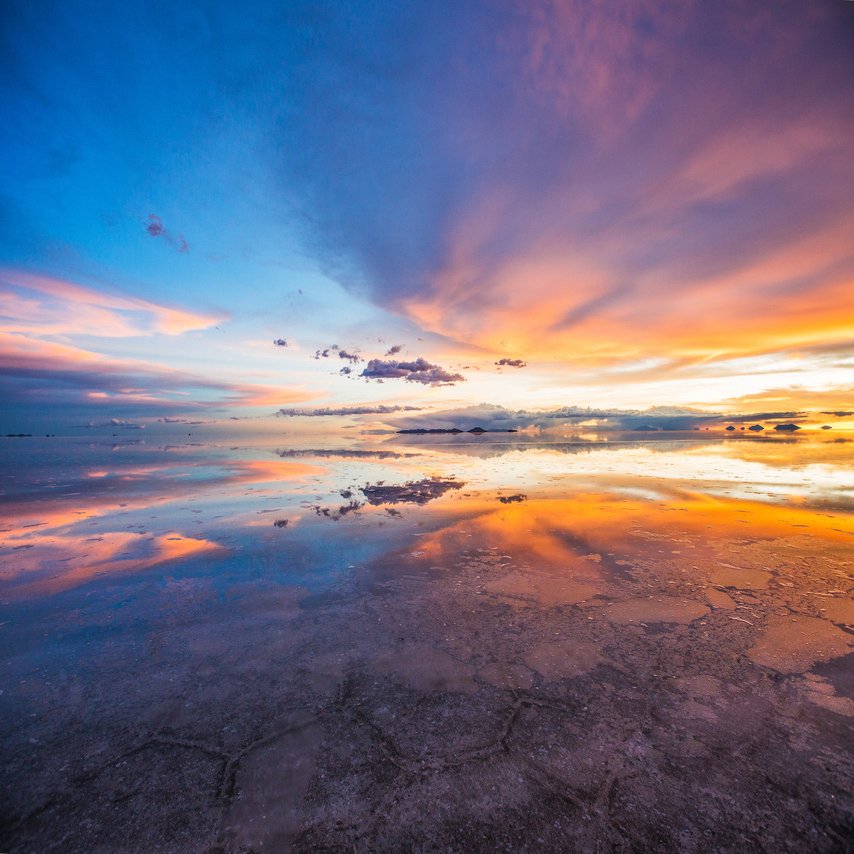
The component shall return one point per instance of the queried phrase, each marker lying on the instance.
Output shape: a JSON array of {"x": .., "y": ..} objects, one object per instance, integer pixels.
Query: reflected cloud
[
  {"x": 345, "y": 453},
  {"x": 58, "y": 563},
  {"x": 565, "y": 523},
  {"x": 415, "y": 492}
]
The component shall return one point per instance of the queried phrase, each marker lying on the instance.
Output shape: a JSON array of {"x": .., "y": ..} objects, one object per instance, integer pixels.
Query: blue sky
[{"x": 645, "y": 202}]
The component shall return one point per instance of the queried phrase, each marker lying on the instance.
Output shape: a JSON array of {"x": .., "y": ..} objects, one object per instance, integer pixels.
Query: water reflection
[{"x": 409, "y": 593}]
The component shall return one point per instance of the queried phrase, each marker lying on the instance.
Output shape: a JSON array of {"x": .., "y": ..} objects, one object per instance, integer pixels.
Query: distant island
[{"x": 433, "y": 430}]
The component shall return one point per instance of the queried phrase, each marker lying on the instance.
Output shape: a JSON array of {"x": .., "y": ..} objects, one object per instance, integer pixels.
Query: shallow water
[{"x": 472, "y": 643}]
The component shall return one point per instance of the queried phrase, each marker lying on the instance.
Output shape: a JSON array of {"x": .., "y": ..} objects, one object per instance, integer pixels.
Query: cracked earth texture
[{"x": 583, "y": 669}]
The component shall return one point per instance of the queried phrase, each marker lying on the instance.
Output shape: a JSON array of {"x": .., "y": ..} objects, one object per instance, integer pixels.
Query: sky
[{"x": 386, "y": 210}]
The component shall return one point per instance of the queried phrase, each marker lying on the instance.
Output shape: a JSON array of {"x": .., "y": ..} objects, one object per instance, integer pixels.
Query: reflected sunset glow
[{"x": 427, "y": 426}]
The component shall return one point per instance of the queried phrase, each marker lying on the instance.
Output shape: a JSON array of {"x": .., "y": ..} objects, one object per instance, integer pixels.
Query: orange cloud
[
  {"x": 572, "y": 305},
  {"x": 825, "y": 400},
  {"x": 648, "y": 203}
]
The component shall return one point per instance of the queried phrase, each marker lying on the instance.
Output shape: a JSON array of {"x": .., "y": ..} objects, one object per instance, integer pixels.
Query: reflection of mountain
[{"x": 414, "y": 492}]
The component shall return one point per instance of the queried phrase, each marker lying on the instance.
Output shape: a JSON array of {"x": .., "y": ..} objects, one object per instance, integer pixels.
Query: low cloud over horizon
[
  {"x": 325, "y": 411},
  {"x": 664, "y": 418}
]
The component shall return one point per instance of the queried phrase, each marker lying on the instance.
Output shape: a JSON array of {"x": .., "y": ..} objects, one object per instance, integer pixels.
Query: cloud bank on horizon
[
  {"x": 646, "y": 201},
  {"x": 664, "y": 418}
]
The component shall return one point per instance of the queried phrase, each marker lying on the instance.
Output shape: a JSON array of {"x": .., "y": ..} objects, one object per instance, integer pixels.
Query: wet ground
[{"x": 466, "y": 645}]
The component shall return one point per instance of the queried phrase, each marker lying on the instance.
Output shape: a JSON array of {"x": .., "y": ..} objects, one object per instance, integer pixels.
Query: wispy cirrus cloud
[
  {"x": 603, "y": 182},
  {"x": 627, "y": 194},
  {"x": 46, "y": 306},
  {"x": 61, "y": 377},
  {"x": 839, "y": 399}
]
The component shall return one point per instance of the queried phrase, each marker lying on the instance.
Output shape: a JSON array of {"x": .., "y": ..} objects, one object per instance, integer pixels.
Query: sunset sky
[{"x": 218, "y": 210}]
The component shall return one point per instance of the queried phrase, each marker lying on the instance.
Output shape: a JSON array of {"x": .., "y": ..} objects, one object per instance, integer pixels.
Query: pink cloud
[
  {"x": 47, "y": 306},
  {"x": 655, "y": 204},
  {"x": 75, "y": 375}
]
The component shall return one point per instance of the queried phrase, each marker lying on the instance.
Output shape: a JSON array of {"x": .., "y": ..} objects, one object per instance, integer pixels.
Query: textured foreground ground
[{"x": 455, "y": 698}]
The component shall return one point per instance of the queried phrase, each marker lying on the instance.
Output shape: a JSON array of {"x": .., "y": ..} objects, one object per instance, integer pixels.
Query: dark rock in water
[
  {"x": 787, "y": 428},
  {"x": 741, "y": 428},
  {"x": 730, "y": 428},
  {"x": 512, "y": 499},
  {"x": 756, "y": 428},
  {"x": 826, "y": 427}
]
